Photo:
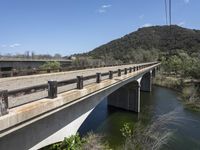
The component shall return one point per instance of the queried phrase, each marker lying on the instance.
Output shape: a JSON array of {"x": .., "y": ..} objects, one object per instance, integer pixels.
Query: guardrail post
[
  {"x": 48, "y": 71},
  {"x": 52, "y": 89},
  {"x": 3, "y": 102},
  {"x": 130, "y": 70},
  {"x": 98, "y": 79},
  {"x": 79, "y": 82},
  {"x": 119, "y": 72},
  {"x": 110, "y": 74},
  {"x": 125, "y": 71},
  {"x": 11, "y": 73}
]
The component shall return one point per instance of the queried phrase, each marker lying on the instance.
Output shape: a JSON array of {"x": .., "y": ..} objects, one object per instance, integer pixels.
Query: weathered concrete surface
[
  {"x": 126, "y": 97},
  {"x": 31, "y": 80},
  {"x": 154, "y": 72},
  {"x": 43, "y": 122},
  {"x": 27, "y": 81},
  {"x": 30, "y": 110},
  {"x": 146, "y": 82}
]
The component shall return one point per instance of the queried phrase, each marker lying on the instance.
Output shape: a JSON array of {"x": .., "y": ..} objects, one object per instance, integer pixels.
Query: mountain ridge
[{"x": 148, "y": 43}]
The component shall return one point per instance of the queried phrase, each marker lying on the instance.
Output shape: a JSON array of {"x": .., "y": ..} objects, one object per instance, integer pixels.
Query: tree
[{"x": 51, "y": 65}]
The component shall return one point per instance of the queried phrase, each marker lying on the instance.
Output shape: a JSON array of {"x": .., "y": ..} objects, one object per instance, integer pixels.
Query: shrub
[{"x": 51, "y": 65}]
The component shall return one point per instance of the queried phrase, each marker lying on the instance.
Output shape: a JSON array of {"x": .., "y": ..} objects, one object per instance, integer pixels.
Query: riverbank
[{"x": 188, "y": 89}]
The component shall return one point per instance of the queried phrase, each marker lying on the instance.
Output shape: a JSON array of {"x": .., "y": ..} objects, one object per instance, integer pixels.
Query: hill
[{"x": 146, "y": 44}]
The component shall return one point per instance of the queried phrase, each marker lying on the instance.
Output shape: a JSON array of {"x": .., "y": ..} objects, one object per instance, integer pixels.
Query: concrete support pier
[
  {"x": 146, "y": 82},
  {"x": 154, "y": 72},
  {"x": 126, "y": 97}
]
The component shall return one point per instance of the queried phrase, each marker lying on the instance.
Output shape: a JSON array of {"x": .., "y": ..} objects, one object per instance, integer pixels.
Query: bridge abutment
[{"x": 126, "y": 97}]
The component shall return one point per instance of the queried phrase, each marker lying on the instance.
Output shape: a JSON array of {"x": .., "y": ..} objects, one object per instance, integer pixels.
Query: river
[{"x": 108, "y": 121}]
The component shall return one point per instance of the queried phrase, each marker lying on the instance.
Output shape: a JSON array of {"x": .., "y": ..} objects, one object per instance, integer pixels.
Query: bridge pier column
[
  {"x": 127, "y": 97},
  {"x": 153, "y": 72},
  {"x": 146, "y": 82}
]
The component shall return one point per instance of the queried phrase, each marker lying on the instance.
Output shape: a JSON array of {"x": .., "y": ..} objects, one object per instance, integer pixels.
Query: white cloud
[
  {"x": 104, "y": 8},
  {"x": 101, "y": 10},
  {"x": 14, "y": 45},
  {"x": 187, "y": 1},
  {"x": 181, "y": 23},
  {"x": 147, "y": 25},
  {"x": 141, "y": 17}
]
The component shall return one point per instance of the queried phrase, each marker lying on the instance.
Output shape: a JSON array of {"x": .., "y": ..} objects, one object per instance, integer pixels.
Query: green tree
[{"x": 51, "y": 65}]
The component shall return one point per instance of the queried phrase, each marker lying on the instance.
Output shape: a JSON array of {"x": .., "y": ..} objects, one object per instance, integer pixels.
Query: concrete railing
[
  {"x": 34, "y": 71},
  {"x": 52, "y": 86}
]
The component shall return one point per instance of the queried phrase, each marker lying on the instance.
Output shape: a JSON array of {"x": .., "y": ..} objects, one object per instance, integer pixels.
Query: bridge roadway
[
  {"x": 14, "y": 83},
  {"x": 46, "y": 121}
]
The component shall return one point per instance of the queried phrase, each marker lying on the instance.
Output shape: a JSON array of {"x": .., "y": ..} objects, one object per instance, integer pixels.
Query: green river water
[{"x": 108, "y": 121}]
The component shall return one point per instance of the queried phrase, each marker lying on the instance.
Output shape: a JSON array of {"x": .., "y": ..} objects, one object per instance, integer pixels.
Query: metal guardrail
[{"x": 52, "y": 86}]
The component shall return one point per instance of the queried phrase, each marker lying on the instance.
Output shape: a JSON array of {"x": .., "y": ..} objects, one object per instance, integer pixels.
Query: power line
[
  {"x": 166, "y": 12},
  {"x": 170, "y": 12}
]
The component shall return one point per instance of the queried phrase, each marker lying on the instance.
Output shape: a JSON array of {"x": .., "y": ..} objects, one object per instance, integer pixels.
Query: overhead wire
[
  {"x": 166, "y": 12},
  {"x": 170, "y": 12}
]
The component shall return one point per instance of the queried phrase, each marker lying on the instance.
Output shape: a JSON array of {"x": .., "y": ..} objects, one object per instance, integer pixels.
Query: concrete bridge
[
  {"x": 60, "y": 113},
  {"x": 7, "y": 64}
]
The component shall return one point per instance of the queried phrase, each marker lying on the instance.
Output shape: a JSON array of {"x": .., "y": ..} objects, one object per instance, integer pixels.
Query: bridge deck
[
  {"x": 44, "y": 107},
  {"x": 15, "y": 83}
]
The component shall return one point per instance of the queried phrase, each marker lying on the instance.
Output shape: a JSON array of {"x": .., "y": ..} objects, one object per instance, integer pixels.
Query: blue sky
[{"x": 75, "y": 26}]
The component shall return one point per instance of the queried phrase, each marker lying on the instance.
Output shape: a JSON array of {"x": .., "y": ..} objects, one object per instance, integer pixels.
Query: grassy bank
[
  {"x": 171, "y": 82},
  {"x": 189, "y": 91}
]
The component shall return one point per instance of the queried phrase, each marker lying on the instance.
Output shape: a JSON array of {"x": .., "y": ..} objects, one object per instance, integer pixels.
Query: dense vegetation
[
  {"x": 52, "y": 65},
  {"x": 182, "y": 72},
  {"x": 183, "y": 65},
  {"x": 149, "y": 44}
]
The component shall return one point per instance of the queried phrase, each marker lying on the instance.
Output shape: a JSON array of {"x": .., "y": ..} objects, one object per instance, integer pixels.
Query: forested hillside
[{"x": 148, "y": 43}]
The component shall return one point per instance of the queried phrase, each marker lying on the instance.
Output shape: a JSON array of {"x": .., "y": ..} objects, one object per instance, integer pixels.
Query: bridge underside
[{"x": 126, "y": 97}]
